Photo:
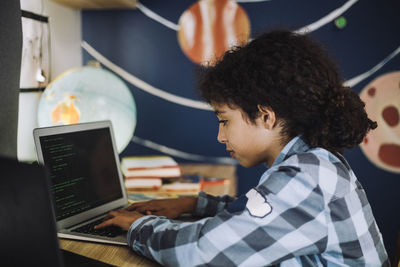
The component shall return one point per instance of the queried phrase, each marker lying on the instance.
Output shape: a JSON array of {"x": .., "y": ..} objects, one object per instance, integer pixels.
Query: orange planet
[
  {"x": 382, "y": 104},
  {"x": 210, "y": 27}
]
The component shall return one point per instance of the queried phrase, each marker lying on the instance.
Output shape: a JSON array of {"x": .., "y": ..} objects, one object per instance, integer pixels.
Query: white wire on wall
[
  {"x": 140, "y": 84},
  {"x": 181, "y": 154},
  {"x": 194, "y": 104},
  {"x": 251, "y": 1},
  {"x": 306, "y": 29},
  {"x": 157, "y": 17},
  {"x": 352, "y": 82},
  {"x": 328, "y": 18}
]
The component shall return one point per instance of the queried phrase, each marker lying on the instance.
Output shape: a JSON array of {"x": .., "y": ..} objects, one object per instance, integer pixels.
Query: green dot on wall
[{"x": 340, "y": 22}]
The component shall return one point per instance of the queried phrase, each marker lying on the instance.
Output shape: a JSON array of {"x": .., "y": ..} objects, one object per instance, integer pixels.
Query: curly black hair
[{"x": 294, "y": 75}]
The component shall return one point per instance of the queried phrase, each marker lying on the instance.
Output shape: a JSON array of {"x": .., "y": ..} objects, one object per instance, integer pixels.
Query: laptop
[
  {"x": 27, "y": 225},
  {"x": 86, "y": 181}
]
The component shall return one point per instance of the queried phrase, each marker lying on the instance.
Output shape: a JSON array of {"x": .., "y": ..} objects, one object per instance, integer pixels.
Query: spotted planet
[{"x": 382, "y": 103}]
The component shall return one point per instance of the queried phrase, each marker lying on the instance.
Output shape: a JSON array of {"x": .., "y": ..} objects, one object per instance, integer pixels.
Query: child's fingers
[
  {"x": 144, "y": 209},
  {"x": 110, "y": 215},
  {"x": 134, "y": 206},
  {"x": 106, "y": 223}
]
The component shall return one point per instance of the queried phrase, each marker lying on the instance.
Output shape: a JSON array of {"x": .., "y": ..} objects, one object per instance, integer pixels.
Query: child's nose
[{"x": 221, "y": 135}]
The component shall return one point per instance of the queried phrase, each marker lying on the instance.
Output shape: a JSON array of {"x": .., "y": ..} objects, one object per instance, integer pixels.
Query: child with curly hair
[{"x": 280, "y": 100}]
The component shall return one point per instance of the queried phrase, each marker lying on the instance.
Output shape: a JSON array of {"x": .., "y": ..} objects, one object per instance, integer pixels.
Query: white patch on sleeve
[{"x": 257, "y": 204}]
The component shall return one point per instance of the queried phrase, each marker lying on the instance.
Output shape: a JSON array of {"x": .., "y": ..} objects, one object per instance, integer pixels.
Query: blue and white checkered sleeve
[
  {"x": 208, "y": 205},
  {"x": 250, "y": 233}
]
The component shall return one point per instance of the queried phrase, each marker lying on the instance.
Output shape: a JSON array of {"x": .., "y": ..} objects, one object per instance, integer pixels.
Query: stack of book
[
  {"x": 147, "y": 173},
  {"x": 184, "y": 185}
]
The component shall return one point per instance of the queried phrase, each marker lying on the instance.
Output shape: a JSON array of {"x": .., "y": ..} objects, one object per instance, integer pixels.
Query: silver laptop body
[{"x": 83, "y": 165}]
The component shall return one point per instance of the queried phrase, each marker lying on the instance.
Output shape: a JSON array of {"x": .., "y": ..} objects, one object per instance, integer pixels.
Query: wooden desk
[
  {"x": 122, "y": 255},
  {"x": 111, "y": 254}
]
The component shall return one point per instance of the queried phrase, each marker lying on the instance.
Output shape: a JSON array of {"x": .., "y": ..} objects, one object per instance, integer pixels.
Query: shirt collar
[{"x": 295, "y": 146}]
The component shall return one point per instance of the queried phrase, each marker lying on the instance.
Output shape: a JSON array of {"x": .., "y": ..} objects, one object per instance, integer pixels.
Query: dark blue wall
[{"x": 150, "y": 51}]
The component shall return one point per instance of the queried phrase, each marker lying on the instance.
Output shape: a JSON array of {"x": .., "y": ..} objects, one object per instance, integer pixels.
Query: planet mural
[
  {"x": 382, "y": 104},
  {"x": 208, "y": 28}
]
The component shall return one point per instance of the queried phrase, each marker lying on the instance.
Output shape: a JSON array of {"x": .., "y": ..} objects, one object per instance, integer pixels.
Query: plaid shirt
[{"x": 307, "y": 210}]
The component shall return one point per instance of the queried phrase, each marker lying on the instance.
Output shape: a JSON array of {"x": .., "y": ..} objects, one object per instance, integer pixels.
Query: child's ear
[{"x": 267, "y": 116}]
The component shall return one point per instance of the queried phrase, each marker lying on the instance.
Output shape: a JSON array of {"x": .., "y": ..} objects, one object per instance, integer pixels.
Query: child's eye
[{"x": 223, "y": 122}]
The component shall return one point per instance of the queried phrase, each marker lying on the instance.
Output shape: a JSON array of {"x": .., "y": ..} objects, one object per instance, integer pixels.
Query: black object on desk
[
  {"x": 76, "y": 260},
  {"x": 27, "y": 223}
]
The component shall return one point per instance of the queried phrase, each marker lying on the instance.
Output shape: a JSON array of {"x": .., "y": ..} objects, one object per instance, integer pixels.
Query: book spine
[
  {"x": 156, "y": 172},
  {"x": 151, "y": 168}
]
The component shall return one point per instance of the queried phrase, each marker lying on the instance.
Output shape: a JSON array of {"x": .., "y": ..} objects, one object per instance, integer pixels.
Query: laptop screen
[{"x": 82, "y": 169}]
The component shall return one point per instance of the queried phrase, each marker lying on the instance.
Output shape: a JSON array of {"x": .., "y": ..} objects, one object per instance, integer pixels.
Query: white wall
[
  {"x": 65, "y": 53},
  {"x": 65, "y": 33},
  {"x": 66, "y": 37}
]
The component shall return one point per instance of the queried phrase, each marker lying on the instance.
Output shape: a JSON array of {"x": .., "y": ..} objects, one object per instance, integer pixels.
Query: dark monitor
[{"x": 27, "y": 225}]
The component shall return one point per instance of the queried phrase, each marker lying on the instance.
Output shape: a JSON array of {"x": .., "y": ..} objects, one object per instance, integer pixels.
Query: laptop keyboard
[{"x": 109, "y": 231}]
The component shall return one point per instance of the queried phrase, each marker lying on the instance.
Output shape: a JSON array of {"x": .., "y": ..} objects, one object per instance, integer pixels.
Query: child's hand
[
  {"x": 121, "y": 218},
  {"x": 170, "y": 208}
]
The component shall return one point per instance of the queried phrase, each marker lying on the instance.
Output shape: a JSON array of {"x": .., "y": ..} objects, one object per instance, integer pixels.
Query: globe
[{"x": 89, "y": 94}]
